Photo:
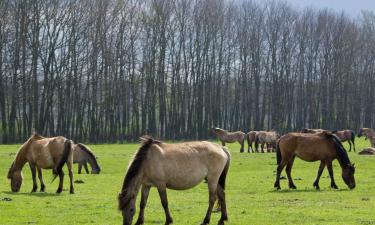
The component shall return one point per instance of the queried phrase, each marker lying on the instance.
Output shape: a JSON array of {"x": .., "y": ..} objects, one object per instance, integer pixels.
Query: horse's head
[
  {"x": 95, "y": 168},
  {"x": 15, "y": 177},
  {"x": 348, "y": 175},
  {"x": 127, "y": 206}
]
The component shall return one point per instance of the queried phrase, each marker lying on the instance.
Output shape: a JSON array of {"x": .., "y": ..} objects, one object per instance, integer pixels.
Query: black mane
[
  {"x": 342, "y": 155},
  {"x": 85, "y": 149}
]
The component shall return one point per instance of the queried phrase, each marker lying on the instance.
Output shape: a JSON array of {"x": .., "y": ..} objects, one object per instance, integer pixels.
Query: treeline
[{"x": 109, "y": 70}]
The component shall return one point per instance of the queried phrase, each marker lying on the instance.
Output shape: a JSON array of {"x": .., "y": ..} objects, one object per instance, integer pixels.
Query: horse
[
  {"x": 369, "y": 134},
  {"x": 367, "y": 151},
  {"x": 266, "y": 137},
  {"x": 322, "y": 146},
  {"x": 42, "y": 153},
  {"x": 175, "y": 166},
  {"x": 230, "y": 137},
  {"x": 83, "y": 155},
  {"x": 346, "y": 135},
  {"x": 250, "y": 137},
  {"x": 312, "y": 131}
]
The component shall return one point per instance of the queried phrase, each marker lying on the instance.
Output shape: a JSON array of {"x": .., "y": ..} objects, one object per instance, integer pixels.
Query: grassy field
[{"x": 251, "y": 198}]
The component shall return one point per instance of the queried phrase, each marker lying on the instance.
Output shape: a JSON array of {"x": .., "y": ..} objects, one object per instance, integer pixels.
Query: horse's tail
[
  {"x": 226, "y": 168},
  {"x": 278, "y": 153},
  {"x": 67, "y": 150}
]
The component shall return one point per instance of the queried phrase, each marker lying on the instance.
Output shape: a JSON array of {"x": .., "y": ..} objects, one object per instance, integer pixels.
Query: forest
[{"x": 112, "y": 70}]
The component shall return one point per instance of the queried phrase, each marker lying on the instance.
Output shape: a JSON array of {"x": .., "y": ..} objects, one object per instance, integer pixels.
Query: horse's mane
[
  {"x": 25, "y": 145},
  {"x": 135, "y": 167},
  {"x": 342, "y": 155},
  {"x": 87, "y": 150}
]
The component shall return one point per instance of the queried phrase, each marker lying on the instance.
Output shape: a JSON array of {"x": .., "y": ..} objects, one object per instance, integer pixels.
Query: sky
[{"x": 351, "y": 7}]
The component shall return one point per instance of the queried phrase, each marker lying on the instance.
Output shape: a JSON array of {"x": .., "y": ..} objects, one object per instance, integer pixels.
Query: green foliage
[{"x": 251, "y": 198}]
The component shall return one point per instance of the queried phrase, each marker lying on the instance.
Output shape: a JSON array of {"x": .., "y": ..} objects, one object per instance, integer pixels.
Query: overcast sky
[{"x": 351, "y": 7}]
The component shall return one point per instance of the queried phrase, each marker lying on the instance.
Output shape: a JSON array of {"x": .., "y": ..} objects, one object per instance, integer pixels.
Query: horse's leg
[
  {"x": 79, "y": 168},
  {"x": 164, "y": 201},
  {"x": 242, "y": 145},
  {"x": 330, "y": 171},
  {"x": 85, "y": 166},
  {"x": 221, "y": 196},
  {"x": 289, "y": 174},
  {"x": 42, "y": 186},
  {"x": 262, "y": 147},
  {"x": 256, "y": 146},
  {"x": 223, "y": 143},
  {"x": 212, "y": 186},
  {"x": 145, "y": 191},
  {"x": 280, "y": 168},
  {"x": 61, "y": 181},
  {"x": 350, "y": 146},
  {"x": 33, "y": 173},
  {"x": 70, "y": 169},
  {"x": 320, "y": 171}
]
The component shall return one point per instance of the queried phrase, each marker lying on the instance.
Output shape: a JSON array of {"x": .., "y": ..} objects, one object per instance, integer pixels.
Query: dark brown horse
[
  {"x": 42, "y": 153},
  {"x": 250, "y": 137},
  {"x": 83, "y": 155},
  {"x": 323, "y": 147},
  {"x": 346, "y": 135},
  {"x": 230, "y": 137},
  {"x": 175, "y": 166}
]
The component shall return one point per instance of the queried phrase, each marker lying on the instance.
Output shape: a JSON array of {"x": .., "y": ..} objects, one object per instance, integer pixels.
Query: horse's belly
[
  {"x": 44, "y": 160},
  {"x": 183, "y": 184},
  {"x": 180, "y": 180}
]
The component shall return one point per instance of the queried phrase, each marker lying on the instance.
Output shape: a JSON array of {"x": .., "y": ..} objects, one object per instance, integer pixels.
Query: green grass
[{"x": 251, "y": 198}]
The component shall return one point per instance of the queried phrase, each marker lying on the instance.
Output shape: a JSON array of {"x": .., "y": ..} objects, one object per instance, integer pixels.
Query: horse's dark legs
[
  {"x": 70, "y": 169},
  {"x": 212, "y": 186},
  {"x": 350, "y": 145},
  {"x": 353, "y": 146},
  {"x": 289, "y": 174},
  {"x": 256, "y": 146},
  {"x": 242, "y": 145},
  {"x": 262, "y": 147},
  {"x": 164, "y": 201},
  {"x": 33, "y": 173},
  {"x": 42, "y": 186},
  {"x": 223, "y": 143},
  {"x": 61, "y": 180},
  {"x": 145, "y": 191},
  {"x": 330, "y": 171},
  {"x": 280, "y": 168},
  {"x": 79, "y": 168},
  {"x": 320, "y": 171},
  {"x": 85, "y": 166},
  {"x": 221, "y": 196}
]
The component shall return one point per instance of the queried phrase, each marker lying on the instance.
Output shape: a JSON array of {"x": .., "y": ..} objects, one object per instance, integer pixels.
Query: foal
[{"x": 174, "y": 166}]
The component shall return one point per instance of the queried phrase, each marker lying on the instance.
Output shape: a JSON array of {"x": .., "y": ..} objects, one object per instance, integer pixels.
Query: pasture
[{"x": 251, "y": 198}]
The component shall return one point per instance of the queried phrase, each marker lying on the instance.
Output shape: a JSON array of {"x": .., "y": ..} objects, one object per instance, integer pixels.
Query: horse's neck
[
  {"x": 20, "y": 160},
  {"x": 135, "y": 185}
]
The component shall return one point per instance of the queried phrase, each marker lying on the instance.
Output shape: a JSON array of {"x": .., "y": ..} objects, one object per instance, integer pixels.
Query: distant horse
[
  {"x": 250, "y": 137},
  {"x": 266, "y": 137},
  {"x": 367, "y": 151},
  {"x": 42, "y": 153},
  {"x": 175, "y": 166},
  {"x": 230, "y": 137},
  {"x": 312, "y": 131},
  {"x": 322, "y": 146},
  {"x": 369, "y": 134},
  {"x": 83, "y": 155},
  {"x": 346, "y": 135}
]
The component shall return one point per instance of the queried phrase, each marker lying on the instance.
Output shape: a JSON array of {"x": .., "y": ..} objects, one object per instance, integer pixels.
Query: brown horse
[
  {"x": 42, "y": 153},
  {"x": 346, "y": 135},
  {"x": 83, "y": 155},
  {"x": 266, "y": 137},
  {"x": 174, "y": 166},
  {"x": 311, "y": 131},
  {"x": 251, "y": 137},
  {"x": 230, "y": 137},
  {"x": 322, "y": 146},
  {"x": 369, "y": 134}
]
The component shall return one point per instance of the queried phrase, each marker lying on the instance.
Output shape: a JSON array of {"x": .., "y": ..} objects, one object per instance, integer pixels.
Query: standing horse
[
  {"x": 174, "y": 166},
  {"x": 369, "y": 134},
  {"x": 42, "y": 153},
  {"x": 346, "y": 135},
  {"x": 313, "y": 147},
  {"x": 251, "y": 137},
  {"x": 311, "y": 131},
  {"x": 83, "y": 155},
  {"x": 266, "y": 137},
  {"x": 230, "y": 137}
]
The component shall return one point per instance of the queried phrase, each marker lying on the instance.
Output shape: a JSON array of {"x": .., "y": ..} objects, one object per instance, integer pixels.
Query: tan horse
[
  {"x": 82, "y": 155},
  {"x": 268, "y": 138},
  {"x": 369, "y": 134},
  {"x": 312, "y": 131},
  {"x": 230, "y": 137},
  {"x": 174, "y": 166},
  {"x": 323, "y": 147},
  {"x": 42, "y": 153},
  {"x": 251, "y": 137},
  {"x": 346, "y": 135}
]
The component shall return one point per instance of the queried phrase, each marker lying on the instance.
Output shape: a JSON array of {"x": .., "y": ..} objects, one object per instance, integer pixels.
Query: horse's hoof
[
  {"x": 221, "y": 222},
  {"x": 59, "y": 191},
  {"x": 34, "y": 189},
  {"x": 334, "y": 186},
  {"x": 71, "y": 191},
  {"x": 139, "y": 222},
  {"x": 292, "y": 186}
]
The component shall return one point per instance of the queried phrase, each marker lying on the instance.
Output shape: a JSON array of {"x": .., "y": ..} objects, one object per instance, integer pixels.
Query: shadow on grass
[
  {"x": 290, "y": 191},
  {"x": 36, "y": 194}
]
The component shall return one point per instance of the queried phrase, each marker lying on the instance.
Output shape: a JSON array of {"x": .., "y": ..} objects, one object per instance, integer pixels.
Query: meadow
[{"x": 251, "y": 198}]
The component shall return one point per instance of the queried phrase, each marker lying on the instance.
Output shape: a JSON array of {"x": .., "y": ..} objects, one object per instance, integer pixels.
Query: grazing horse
[
  {"x": 367, "y": 151},
  {"x": 311, "y": 131},
  {"x": 369, "y": 134},
  {"x": 266, "y": 137},
  {"x": 346, "y": 135},
  {"x": 322, "y": 146},
  {"x": 83, "y": 155},
  {"x": 42, "y": 153},
  {"x": 175, "y": 166},
  {"x": 251, "y": 137},
  {"x": 230, "y": 137}
]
